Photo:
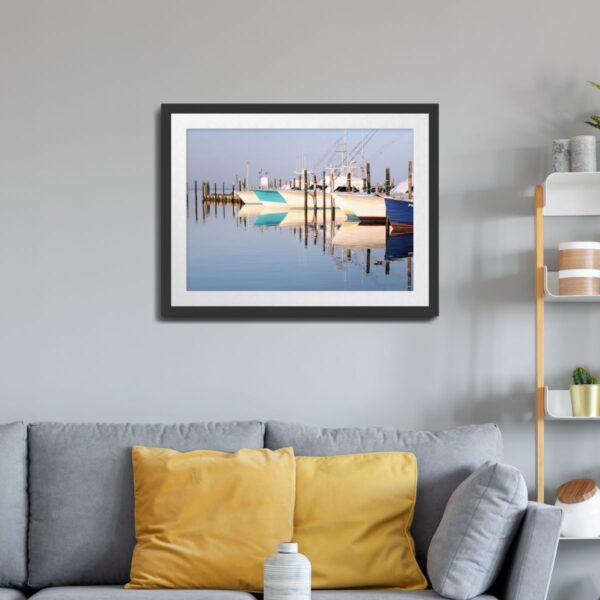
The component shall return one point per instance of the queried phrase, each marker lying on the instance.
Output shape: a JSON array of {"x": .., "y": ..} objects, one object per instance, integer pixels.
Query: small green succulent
[
  {"x": 594, "y": 119},
  {"x": 582, "y": 376}
]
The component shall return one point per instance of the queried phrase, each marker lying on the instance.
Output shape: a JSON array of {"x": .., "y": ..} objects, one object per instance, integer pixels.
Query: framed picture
[{"x": 290, "y": 210}]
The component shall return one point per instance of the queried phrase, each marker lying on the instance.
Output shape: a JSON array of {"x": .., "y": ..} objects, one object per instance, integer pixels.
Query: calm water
[{"x": 232, "y": 247}]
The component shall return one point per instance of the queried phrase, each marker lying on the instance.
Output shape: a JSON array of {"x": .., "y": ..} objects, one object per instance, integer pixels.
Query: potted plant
[
  {"x": 585, "y": 394},
  {"x": 594, "y": 119}
]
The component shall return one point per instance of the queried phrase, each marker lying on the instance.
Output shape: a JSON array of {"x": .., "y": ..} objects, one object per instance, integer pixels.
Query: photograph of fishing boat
[
  {"x": 295, "y": 215},
  {"x": 341, "y": 195}
]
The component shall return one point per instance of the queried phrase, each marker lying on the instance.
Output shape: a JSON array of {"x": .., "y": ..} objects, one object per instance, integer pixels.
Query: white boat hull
[
  {"x": 250, "y": 210},
  {"x": 248, "y": 197},
  {"x": 295, "y": 198},
  {"x": 364, "y": 206}
]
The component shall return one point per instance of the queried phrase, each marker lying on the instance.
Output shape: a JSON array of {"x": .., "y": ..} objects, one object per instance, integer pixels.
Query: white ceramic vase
[
  {"x": 583, "y": 153},
  {"x": 287, "y": 574},
  {"x": 581, "y": 519}
]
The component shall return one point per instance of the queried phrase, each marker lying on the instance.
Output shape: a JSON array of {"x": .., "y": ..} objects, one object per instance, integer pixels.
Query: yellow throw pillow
[
  {"x": 208, "y": 519},
  {"x": 352, "y": 520}
]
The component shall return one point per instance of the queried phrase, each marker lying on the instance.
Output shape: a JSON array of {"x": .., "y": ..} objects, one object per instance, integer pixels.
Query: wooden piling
[
  {"x": 315, "y": 192},
  {"x": 324, "y": 217},
  {"x": 410, "y": 180},
  {"x": 215, "y": 189},
  {"x": 365, "y": 184},
  {"x": 387, "y": 267},
  {"x": 368, "y": 177},
  {"x": 368, "y": 260},
  {"x": 387, "y": 180},
  {"x": 349, "y": 182},
  {"x": 305, "y": 191},
  {"x": 409, "y": 273},
  {"x": 331, "y": 198}
]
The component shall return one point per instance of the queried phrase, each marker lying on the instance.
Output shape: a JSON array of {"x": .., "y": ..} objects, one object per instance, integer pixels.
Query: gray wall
[{"x": 81, "y": 84}]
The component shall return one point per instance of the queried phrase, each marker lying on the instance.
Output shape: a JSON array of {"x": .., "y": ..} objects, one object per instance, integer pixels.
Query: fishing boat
[
  {"x": 250, "y": 210},
  {"x": 399, "y": 211},
  {"x": 295, "y": 198},
  {"x": 269, "y": 196},
  {"x": 248, "y": 197},
  {"x": 398, "y": 246},
  {"x": 364, "y": 205}
]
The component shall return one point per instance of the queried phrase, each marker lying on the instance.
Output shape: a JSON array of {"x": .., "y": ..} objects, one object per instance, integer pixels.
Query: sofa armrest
[{"x": 531, "y": 560}]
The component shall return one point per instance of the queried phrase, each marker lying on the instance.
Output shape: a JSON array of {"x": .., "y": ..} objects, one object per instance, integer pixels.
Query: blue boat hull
[{"x": 399, "y": 212}]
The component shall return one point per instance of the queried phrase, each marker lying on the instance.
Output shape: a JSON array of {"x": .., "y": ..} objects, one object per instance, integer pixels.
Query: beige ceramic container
[
  {"x": 579, "y": 282},
  {"x": 579, "y": 255},
  {"x": 585, "y": 400}
]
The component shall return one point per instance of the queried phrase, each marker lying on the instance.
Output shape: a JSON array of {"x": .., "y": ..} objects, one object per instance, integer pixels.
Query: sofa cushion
[
  {"x": 108, "y": 592},
  {"x": 352, "y": 520},
  {"x": 13, "y": 505},
  {"x": 10, "y": 594},
  {"x": 480, "y": 521},
  {"x": 81, "y": 528},
  {"x": 382, "y": 595},
  {"x": 207, "y": 519},
  {"x": 444, "y": 460}
]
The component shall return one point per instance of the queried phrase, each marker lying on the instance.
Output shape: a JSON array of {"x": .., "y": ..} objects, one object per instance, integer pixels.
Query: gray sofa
[{"x": 67, "y": 504}]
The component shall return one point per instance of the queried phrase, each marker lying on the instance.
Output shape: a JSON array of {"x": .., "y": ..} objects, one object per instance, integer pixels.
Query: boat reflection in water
[
  {"x": 297, "y": 218},
  {"x": 355, "y": 235},
  {"x": 241, "y": 247},
  {"x": 399, "y": 246}
]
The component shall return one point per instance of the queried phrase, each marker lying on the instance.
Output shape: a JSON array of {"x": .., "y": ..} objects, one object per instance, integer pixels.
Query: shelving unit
[
  {"x": 562, "y": 195},
  {"x": 551, "y": 289},
  {"x": 557, "y": 406}
]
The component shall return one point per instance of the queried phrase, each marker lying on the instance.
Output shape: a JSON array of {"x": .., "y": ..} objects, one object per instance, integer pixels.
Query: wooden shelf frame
[
  {"x": 562, "y": 195},
  {"x": 540, "y": 388}
]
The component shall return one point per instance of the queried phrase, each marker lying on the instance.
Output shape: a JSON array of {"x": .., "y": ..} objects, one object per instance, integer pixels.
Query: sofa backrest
[
  {"x": 13, "y": 505},
  {"x": 444, "y": 459},
  {"x": 81, "y": 504}
]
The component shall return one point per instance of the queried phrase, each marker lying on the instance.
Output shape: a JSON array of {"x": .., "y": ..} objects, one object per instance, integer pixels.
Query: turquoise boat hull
[{"x": 269, "y": 196}]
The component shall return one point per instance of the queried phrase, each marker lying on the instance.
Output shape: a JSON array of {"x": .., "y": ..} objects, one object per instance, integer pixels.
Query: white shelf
[
  {"x": 551, "y": 290},
  {"x": 577, "y": 539},
  {"x": 572, "y": 195},
  {"x": 558, "y": 407}
]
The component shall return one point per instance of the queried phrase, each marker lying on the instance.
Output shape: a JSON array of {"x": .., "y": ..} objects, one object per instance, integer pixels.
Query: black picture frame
[{"x": 169, "y": 311}]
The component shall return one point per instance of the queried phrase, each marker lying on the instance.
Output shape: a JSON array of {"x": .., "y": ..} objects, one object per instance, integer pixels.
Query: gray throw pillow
[{"x": 474, "y": 535}]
